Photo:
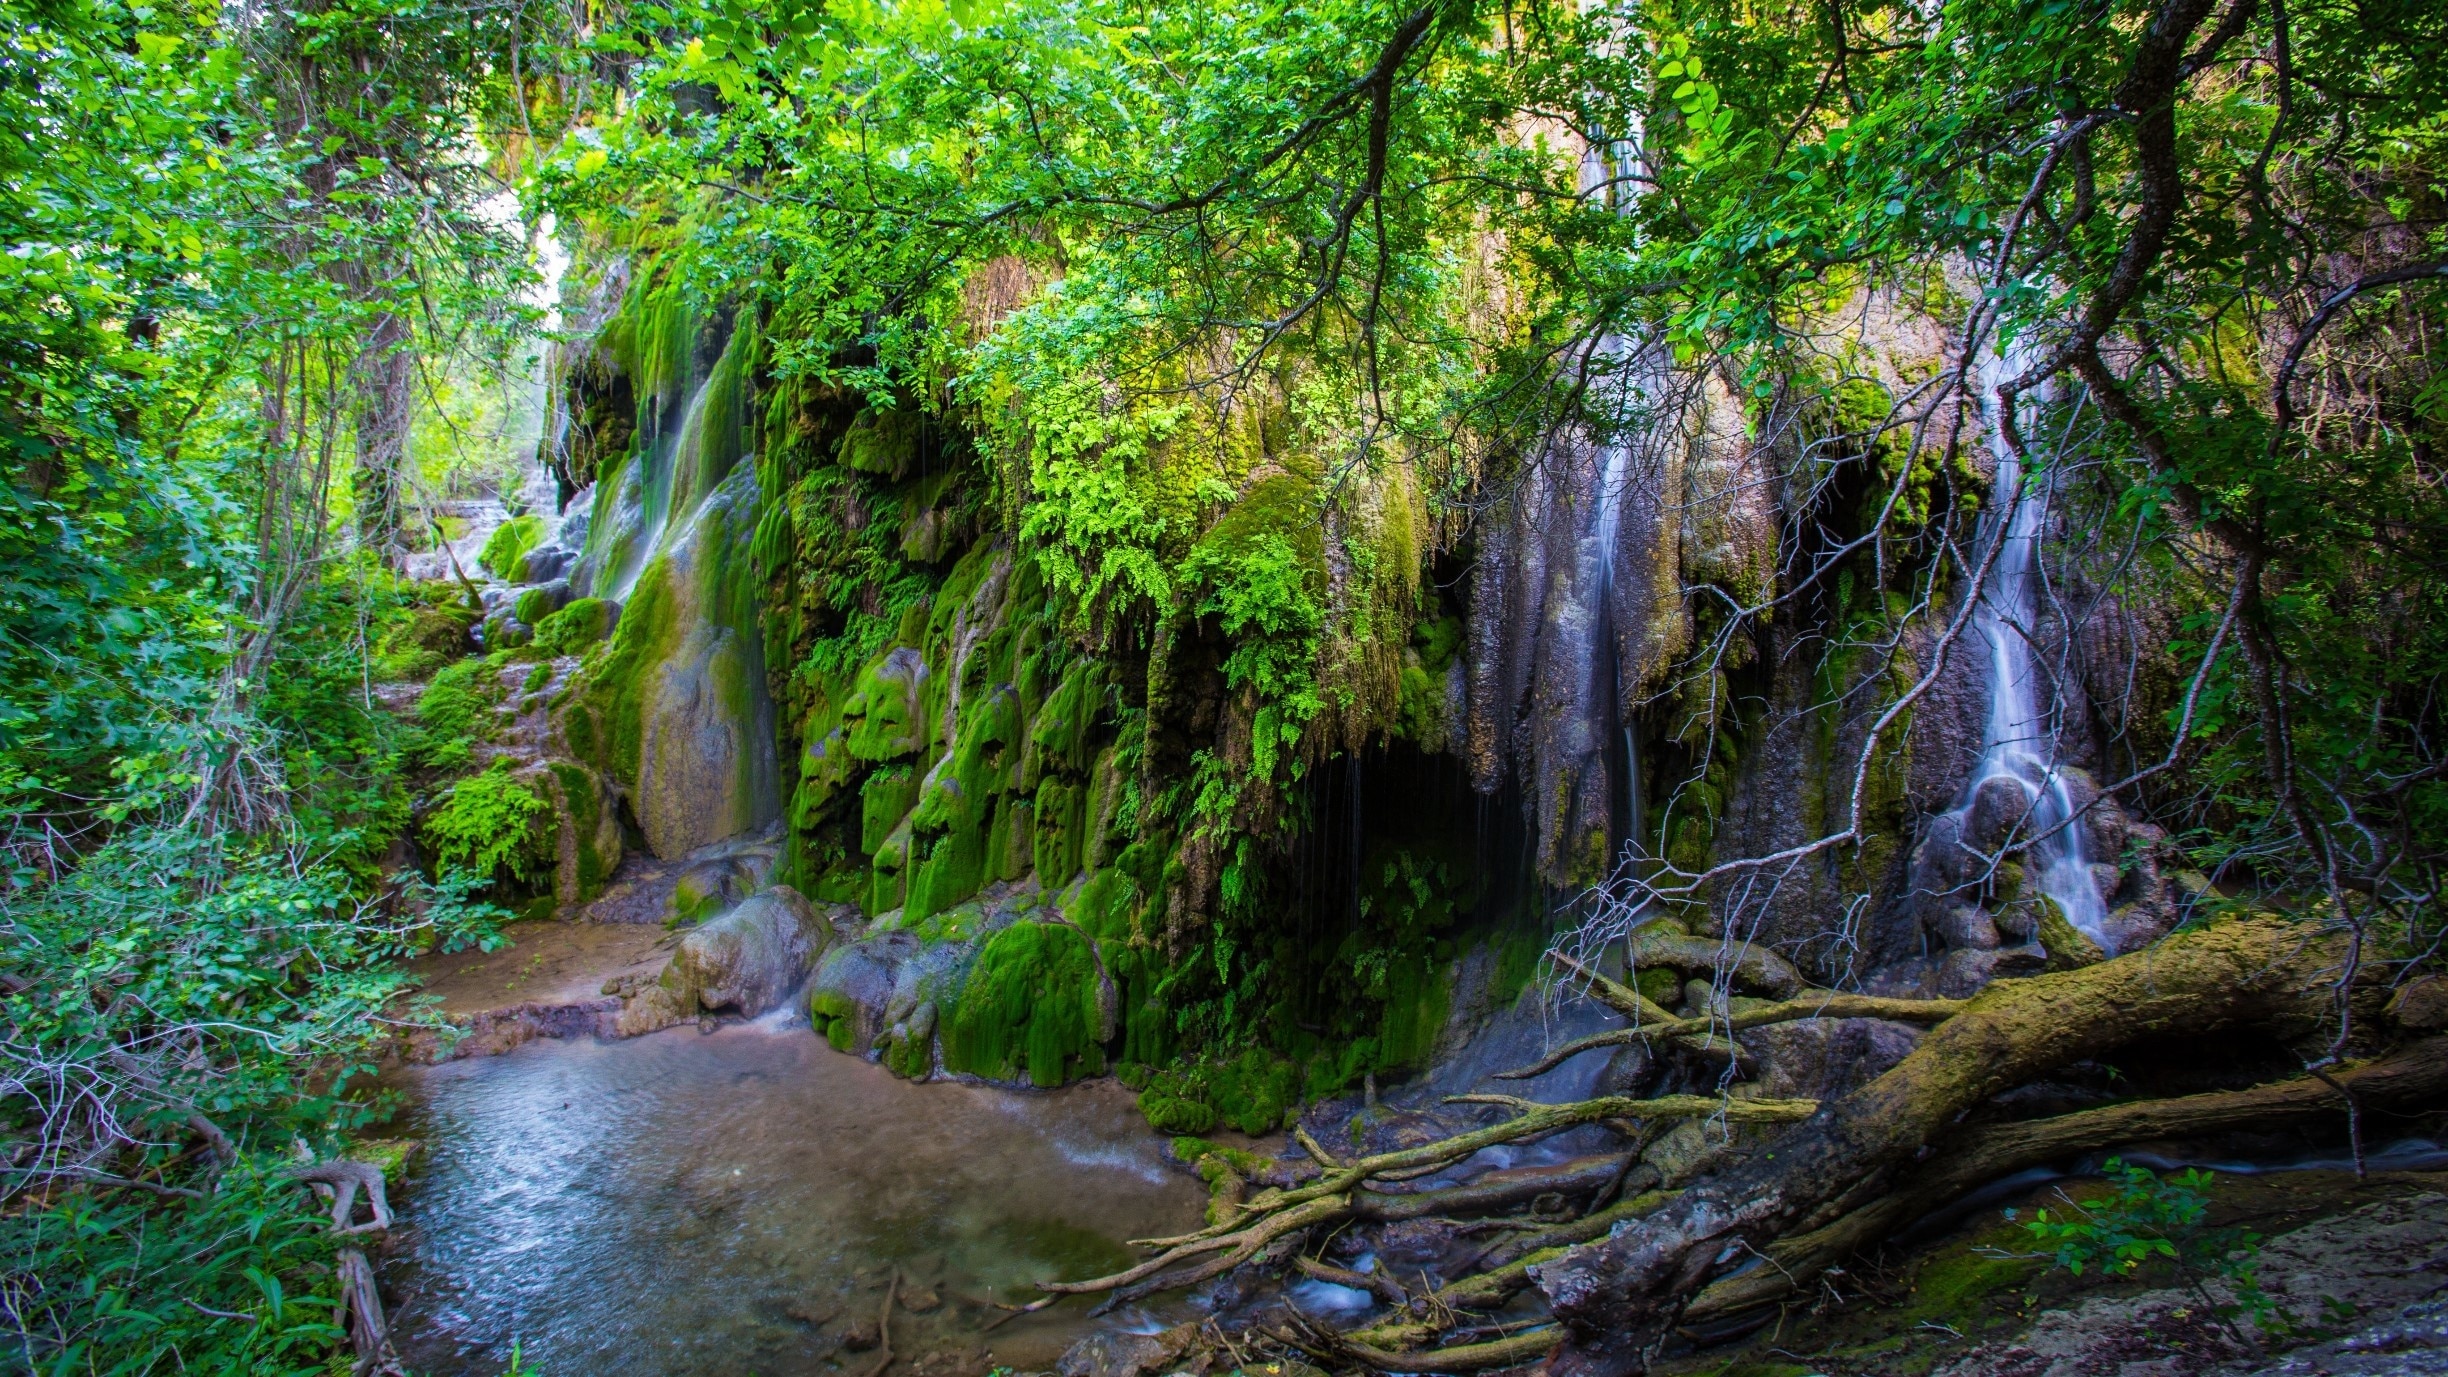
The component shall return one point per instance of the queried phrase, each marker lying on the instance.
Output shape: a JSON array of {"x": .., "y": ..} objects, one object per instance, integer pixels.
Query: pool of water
[{"x": 738, "y": 1202}]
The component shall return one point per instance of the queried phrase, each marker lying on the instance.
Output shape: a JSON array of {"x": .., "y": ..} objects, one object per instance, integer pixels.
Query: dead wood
[
  {"x": 1377, "y": 1284},
  {"x": 361, "y": 1312},
  {"x": 1809, "y": 1004},
  {"x": 1274, "y": 1213},
  {"x": 1497, "y": 1190},
  {"x": 884, "y": 1355},
  {"x": 345, "y": 1180},
  {"x": 1490, "y": 1289},
  {"x": 1510, "y": 1351},
  {"x": 1619, "y": 1296}
]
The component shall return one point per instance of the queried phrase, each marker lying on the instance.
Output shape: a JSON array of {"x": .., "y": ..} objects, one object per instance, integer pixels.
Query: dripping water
[{"x": 2018, "y": 739}]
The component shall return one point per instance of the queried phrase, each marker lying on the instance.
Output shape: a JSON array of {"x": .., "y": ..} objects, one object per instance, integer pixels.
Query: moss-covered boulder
[
  {"x": 882, "y": 442},
  {"x": 533, "y": 605},
  {"x": 505, "y": 551},
  {"x": 580, "y": 624}
]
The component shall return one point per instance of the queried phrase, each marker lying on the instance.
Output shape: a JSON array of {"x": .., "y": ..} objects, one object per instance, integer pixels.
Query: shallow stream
[{"x": 738, "y": 1201}]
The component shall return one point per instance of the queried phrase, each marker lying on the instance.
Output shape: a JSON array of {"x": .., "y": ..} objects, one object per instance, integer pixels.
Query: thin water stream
[{"x": 738, "y": 1201}]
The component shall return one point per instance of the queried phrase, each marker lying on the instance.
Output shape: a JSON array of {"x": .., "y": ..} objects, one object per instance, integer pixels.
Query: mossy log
[
  {"x": 1618, "y": 1297},
  {"x": 2413, "y": 1075}
]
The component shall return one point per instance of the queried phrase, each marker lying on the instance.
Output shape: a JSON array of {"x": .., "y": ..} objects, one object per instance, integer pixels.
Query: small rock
[
  {"x": 861, "y": 1335},
  {"x": 918, "y": 1300}
]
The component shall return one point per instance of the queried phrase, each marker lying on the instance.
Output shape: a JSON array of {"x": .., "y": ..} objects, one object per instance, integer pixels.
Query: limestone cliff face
[{"x": 1073, "y": 841}]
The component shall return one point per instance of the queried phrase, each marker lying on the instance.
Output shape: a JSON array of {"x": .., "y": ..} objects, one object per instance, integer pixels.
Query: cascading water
[
  {"x": 2018, "y": 739},
  {"x": 1607, "y": 168}
]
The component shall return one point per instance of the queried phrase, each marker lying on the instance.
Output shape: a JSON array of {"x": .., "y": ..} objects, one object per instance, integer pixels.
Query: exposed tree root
[
  {"x": 1619, "y": 1296},
  {"x": 1510, "y": 1351},
  {"x": 1845, "y": 1174},
  {"x": 1487, "y": 1290}
]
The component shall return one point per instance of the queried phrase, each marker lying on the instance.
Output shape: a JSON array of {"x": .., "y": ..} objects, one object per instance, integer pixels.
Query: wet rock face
[{"x": 1580, "y": 603}]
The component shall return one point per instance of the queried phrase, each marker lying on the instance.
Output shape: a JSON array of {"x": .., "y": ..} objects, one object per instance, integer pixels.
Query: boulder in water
[{"x": 752, "y": 957}]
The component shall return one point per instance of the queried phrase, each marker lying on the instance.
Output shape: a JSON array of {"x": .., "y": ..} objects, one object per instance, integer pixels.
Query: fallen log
[
  {"x": 2414, "y": 1075},
  {"x": 1618, "y": 1297}
]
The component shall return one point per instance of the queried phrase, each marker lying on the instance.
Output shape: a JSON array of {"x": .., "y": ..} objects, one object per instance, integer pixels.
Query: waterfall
[
  {"x": 2018, "y": 739},
  {"x": 1605, "y": 162}
]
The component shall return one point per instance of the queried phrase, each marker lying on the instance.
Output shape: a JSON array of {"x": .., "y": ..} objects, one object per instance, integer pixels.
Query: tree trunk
[{"x": 385, "y": 377}]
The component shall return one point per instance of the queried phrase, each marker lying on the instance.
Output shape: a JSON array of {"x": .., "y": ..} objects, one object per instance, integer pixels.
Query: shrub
[
  {"x": 2145, "y": 1217},
  {"x": 492, "y": 823}
]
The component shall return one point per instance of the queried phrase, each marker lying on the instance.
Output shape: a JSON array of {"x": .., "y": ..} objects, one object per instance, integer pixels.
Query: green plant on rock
[
  {"x": 2146, "y": 1217},
  {"x": 493, "y": 823}
]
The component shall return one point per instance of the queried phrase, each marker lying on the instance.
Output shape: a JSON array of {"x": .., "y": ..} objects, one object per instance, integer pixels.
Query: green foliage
[
  {"x": 505, "y": 551},
  {"x": 173, "y": 975},
  {"x": 2145, "y": 1217},
  {"x": 119, "y": 1279},
  {"x": 493, "y": 823},
  {"x": 1255, "y": 1092},
  {"x": 1261, "y": 572}
]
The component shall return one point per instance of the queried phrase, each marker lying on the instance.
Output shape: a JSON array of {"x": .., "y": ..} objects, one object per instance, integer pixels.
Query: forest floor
[{"x": 2343, "y": 1258}]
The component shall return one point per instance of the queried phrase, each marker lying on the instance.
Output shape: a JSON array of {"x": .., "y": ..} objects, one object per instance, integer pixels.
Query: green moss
[
  {"x": 1029, "y": 1006},
  {"x": 1061, "y": 732},
  {"x": 532, "y": 605},
  {"x": 1256, "y": 1092},
  {"x": 834, "y": 1017},
  {"x": 884, "y": 800},
  {"x": 953, "y": 869},
  {"x": 1012, "y": 849},
  {"x": 882, "y": 442},
  {"x": 583, "y": 807},
  {"x": 505, "y": 551},
  {"x": 608, "y": 729},
  {"x": 885, "y": 713},
  {"x": 1953, "y": 1283},
  {"x": 1057, "y": 840},
  {"x": 457, "y": 702},
  {"x": 1660, "y": 985},
  {"x": 826, "y": 768},
  {"x": 575, "y": 627}
]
